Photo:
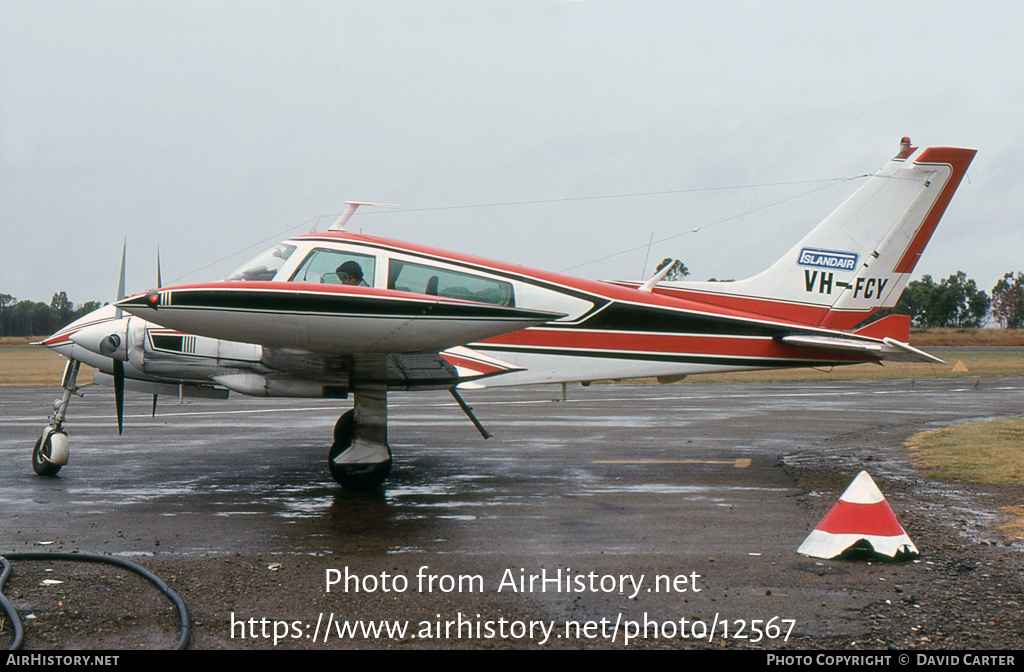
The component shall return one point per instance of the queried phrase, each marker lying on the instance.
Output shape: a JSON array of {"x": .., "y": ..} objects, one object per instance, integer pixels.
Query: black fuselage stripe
[
  {"x": 613, "y": 318},
  {"x": 376, "y": 315},
  {"x": 296, "y": 303},
  {"x": 626, "y": 317},
  {"x": 720, "y": 360}
]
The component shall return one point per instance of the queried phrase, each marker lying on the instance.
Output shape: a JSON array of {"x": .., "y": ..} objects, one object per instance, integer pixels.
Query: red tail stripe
[
  {"x": 893, "y": 326},
  {"x": 958, "y": 159}
]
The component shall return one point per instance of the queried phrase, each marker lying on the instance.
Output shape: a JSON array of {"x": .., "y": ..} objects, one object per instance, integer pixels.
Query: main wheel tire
[
  {"x": 40, "y": 452},
  {"x": 344, "y": 431},
  {"x": 354, "y": 476},
  {"x": 360, "y": 477}
]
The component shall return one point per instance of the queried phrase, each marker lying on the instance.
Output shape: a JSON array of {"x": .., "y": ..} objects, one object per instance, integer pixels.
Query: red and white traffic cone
[{"x": 863, "y": 520}]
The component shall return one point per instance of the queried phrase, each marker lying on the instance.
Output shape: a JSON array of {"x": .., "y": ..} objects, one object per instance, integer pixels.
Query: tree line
[
  {"x": 35, "y": 318},
  {"x": 953, "y": 302},
  {"x": 957, "y": 302}
]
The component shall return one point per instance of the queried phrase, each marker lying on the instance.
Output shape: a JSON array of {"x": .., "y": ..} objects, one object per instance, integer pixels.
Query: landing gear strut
[
  {"x": 360, "y": 458},
  {"x": 51, "y": 450}
]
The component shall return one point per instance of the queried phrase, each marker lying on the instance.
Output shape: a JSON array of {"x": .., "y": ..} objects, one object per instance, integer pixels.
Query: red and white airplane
[{"x": 336, "y": 313}]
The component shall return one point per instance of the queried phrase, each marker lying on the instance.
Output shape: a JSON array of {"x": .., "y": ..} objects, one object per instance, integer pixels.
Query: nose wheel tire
[
  {"x": 40, "y": 454},
  {"x": 355, "y": 475}
]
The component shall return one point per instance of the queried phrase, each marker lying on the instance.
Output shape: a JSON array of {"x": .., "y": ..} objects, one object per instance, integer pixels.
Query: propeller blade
[
  {"x": 159, "y": 280},
  {"x": 119, "y": 393},
  {"x": 155, "y": 396},
  {"x": 120, "y": 284}
]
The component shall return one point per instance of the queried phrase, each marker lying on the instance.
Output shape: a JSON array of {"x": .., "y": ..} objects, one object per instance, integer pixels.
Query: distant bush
[
  {"x": 35, "y": 318},
  {"x": 953, "y": 302}
]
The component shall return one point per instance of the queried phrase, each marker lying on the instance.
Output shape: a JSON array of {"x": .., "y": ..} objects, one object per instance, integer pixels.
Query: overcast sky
[{"x": 207, "y": 127}]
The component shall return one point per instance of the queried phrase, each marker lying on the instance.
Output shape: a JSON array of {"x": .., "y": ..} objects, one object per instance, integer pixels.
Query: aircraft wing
[
  {"x": 333, "y": 319},
  {"x": 305, "y": 374},
  {"x": 190, "y": 389},
  {"x": 886, "y": 348}
]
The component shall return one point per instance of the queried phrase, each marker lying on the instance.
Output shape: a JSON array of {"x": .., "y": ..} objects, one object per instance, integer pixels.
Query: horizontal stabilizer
[
  {"x": 887, "y": 348},
  {"x": 833, "y": 343},
  {"x": 903, "y": 352}
]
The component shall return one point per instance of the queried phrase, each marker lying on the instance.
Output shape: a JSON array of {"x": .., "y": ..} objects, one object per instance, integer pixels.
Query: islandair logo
[{"x": 843, "y": 261}]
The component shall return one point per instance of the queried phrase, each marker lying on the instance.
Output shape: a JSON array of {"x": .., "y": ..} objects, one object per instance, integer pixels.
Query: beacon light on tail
[{"x": 339, "y": 313}]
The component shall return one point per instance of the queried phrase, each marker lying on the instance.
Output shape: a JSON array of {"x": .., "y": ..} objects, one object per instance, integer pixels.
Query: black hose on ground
[{"x": 5, "y": 570}]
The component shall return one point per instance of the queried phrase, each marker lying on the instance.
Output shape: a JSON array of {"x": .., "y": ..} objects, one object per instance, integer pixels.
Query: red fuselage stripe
[{"x": 723, "y": 346}]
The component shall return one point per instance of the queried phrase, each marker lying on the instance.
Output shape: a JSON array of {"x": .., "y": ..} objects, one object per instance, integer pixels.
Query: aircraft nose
[{"x": 109, "y": 339}]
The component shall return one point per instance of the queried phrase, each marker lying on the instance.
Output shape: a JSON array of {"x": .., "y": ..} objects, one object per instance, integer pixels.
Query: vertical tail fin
[{"x": 859, "y": 259}]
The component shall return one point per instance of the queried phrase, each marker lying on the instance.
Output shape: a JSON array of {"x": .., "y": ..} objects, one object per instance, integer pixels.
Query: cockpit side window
[
  {"x": 336, "y": 267},
  {"x": 265, "y": 266},
  {"x": 421, "y": 279}
]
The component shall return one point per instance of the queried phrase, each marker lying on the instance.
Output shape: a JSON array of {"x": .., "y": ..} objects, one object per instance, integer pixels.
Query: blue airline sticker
[{"x": 812, "y": 256}]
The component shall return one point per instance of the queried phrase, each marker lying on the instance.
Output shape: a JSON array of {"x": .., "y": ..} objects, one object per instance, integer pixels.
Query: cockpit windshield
[
  {"x": 265, "y": 266},
  {"x": 336, "y": 267}
]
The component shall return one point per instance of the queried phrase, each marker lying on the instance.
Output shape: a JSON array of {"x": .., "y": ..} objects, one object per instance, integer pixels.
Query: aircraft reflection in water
[{"x": 337, "y": 313}]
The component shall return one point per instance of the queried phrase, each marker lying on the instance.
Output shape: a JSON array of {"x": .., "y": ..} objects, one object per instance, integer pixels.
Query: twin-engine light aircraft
[{"x": 337, "y": 313}]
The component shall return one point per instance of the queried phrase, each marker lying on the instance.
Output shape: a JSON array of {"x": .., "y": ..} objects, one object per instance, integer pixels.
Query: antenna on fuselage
[
  {"x": 658, "y": 277},
  {"x": 352, "y": 205}
]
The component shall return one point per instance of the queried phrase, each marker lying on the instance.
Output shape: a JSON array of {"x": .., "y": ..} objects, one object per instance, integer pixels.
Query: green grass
[
  {"x": 35, "y": 365},
  {"x": 982, "y": 452}
]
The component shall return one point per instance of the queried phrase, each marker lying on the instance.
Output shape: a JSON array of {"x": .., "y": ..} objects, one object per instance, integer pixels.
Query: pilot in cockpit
[{"x": 351, "y": 273}]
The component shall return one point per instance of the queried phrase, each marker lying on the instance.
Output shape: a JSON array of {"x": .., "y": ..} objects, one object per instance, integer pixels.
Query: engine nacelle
[
  {"x": 256, "y": 385},
  {"x": 155, "y": 350},
  {"x": 109, "y": 339}
]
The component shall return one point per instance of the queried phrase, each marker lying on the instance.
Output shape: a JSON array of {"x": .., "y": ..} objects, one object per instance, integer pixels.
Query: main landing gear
[
  {"x": 360, "y": 458},
  {"x": 51, "y": 450}
]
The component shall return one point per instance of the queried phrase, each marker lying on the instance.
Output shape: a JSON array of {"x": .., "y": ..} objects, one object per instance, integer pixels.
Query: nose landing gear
[{"x": 51, "y": 450}]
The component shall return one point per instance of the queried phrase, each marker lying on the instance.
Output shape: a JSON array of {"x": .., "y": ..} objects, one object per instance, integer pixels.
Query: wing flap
[{"x": 472, "y": 364}]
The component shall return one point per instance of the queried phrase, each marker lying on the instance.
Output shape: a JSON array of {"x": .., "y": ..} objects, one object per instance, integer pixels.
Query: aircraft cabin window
[
  {"x": 420, "y": 279},
  {"x": 265, "y": 266},
  {"x": 336, "y": 267}
]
